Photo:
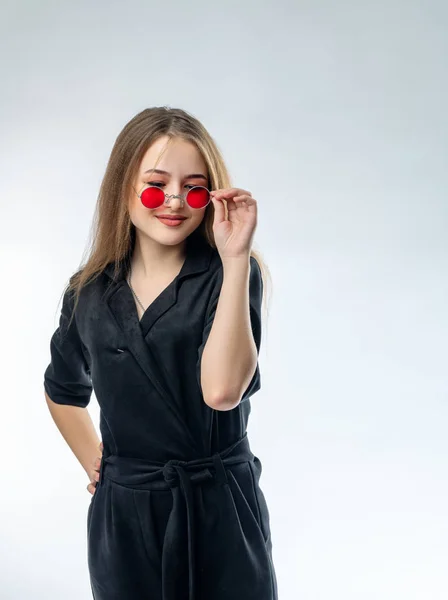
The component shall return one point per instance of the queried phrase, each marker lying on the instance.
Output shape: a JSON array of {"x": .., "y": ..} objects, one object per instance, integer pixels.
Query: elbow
[
  {"x": 219, "y": 398},
  {"x": 228, "y": 398},
  {"x": 223, "y": 401},
  {"x": 225, "y": 397}
]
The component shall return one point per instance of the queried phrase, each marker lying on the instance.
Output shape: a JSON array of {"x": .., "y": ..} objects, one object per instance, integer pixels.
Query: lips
[{"x": 171, "y": 220}]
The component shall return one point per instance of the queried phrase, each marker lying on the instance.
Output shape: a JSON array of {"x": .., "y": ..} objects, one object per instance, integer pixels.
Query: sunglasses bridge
[{"x": 182, "y": 198}]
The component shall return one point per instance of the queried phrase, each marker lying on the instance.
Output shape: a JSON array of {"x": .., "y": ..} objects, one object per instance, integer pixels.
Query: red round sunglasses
[{"x": 152, "y": 196}]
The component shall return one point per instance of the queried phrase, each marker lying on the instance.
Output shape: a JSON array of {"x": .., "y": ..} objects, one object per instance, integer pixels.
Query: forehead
[{"x": 174, "y": 155}]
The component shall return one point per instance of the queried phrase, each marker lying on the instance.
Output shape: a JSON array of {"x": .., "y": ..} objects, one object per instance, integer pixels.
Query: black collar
[{"x": 198, "y": 257}]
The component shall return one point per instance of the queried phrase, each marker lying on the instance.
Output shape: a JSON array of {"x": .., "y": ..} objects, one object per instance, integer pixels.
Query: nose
[
  {"x": 175, "y": 203},
  {"x": 175, "y": 189}
]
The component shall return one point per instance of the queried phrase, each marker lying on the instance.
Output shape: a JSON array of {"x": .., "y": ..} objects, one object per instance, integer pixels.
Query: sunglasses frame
[{"x": 168, "y": 197}]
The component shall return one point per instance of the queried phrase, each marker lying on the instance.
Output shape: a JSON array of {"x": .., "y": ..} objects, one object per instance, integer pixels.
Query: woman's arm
[
  {"x": 76, "y": 426},
  {"x": 230, "y": 356},
  {"x": 68, "y": 388}
]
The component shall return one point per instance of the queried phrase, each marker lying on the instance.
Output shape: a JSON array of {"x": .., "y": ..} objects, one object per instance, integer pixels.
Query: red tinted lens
[
  {"x": 198, "y": 197},
  {"x": 152, "y": 197}
]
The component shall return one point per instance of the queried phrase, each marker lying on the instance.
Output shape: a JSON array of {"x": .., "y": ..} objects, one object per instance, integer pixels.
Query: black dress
[{"x": 178, "y": 513}]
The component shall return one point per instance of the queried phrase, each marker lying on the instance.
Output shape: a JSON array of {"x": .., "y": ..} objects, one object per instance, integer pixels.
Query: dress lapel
[
  {"x": 121, "y": 305},
  {"x": 197, "y": 260}
]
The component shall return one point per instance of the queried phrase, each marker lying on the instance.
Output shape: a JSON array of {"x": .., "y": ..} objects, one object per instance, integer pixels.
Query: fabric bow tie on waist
[{"x": 180, "y": 475}]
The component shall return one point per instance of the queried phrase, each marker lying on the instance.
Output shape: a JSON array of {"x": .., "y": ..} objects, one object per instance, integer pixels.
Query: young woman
[{"x": 163, "y": 322}]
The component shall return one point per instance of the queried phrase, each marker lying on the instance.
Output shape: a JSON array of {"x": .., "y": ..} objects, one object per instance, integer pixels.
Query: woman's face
[{"x": 183, "y": 168}]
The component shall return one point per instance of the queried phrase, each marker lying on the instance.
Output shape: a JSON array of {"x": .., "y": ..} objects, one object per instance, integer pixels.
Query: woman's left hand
[{"x": 234, "y": 236}]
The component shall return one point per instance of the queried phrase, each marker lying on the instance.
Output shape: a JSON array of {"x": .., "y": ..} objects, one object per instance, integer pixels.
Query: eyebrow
[{"x": 191, "y": 176}]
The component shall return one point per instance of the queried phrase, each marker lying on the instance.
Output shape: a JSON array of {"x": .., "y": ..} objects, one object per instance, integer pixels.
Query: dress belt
[{"x": 139, "y": 473}]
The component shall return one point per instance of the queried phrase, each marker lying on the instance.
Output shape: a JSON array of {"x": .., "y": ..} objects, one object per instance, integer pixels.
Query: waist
[{"x": 140, "y": 473}]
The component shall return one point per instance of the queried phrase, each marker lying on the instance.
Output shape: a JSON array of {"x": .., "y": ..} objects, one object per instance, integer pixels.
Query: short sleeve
[
  {"x": 255, "y": 302},
  {"x": 67, "y": 378}
]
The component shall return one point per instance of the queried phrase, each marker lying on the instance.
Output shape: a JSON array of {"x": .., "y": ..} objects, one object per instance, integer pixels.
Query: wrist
[{"x": 238, "y": 261}]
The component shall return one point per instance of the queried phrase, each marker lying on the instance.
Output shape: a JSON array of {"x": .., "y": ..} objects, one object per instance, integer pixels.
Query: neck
[{"x": 150, "y": 258}]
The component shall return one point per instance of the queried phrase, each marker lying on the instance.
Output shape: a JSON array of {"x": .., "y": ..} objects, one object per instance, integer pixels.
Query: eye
[{"x": 156, "y": 183}]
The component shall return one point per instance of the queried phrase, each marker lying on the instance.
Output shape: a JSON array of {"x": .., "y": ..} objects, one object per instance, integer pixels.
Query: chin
[{"x": 167, "y": 238}]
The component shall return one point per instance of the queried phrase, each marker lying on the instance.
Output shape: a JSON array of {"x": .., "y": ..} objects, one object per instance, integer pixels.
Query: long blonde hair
[{"x": 111, "y": 233}]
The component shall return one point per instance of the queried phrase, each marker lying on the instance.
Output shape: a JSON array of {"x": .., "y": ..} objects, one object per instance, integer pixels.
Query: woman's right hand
[{"x": 95, "y": 472}]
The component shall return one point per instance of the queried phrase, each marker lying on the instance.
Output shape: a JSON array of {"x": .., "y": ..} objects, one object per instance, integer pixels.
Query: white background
[{"x": 334, "y": 115}]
